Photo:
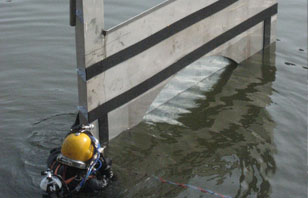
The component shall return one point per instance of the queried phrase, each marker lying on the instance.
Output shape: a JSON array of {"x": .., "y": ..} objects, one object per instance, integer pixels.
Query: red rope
[{"x": 192, "y": 187}]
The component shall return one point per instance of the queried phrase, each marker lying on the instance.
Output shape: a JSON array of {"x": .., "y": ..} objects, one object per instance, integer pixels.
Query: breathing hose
[{"x": 95, "y": 160}]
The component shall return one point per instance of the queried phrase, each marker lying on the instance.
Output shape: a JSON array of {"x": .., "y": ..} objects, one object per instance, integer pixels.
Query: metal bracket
[
  {"x": 79, "y": 15},
  {"x": 82, "y": 73}
]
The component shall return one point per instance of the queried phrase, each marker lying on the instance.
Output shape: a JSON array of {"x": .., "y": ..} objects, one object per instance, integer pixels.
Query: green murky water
[{"x": 244, "y": 136}]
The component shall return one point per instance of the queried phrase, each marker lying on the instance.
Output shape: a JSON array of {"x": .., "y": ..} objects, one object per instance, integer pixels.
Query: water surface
[{"x": 245, "y": 136}]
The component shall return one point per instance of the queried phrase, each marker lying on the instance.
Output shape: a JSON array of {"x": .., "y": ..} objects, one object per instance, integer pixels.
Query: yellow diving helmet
[{"x": 77, "y": 149}]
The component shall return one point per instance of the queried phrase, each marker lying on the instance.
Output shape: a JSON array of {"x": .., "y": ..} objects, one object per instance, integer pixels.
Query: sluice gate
[{"x": 121, "y": 70}]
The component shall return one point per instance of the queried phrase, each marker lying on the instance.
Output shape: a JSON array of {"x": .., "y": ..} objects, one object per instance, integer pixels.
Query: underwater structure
[{"x": 121, "y": 70}]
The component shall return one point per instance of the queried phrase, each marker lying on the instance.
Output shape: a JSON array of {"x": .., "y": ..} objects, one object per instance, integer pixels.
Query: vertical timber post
[{"x": 90, "y": 49}]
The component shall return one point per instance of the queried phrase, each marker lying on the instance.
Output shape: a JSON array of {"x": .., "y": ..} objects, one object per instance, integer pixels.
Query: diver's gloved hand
[
  {"x": 110, "y": 175},
  {"x": 106, "y": 169},
  {"x": 104, "y": 183},
  {"x": 95, "y": 185}
]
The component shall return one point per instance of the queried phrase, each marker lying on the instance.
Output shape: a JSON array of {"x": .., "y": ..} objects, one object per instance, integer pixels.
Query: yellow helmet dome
[{"x": 77, "y": 147}]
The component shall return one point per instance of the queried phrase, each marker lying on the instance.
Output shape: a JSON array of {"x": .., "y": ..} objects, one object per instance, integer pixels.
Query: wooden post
[{"x": 89, "y": 48}]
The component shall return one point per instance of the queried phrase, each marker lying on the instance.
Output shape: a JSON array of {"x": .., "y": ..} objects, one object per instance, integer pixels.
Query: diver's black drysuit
[{"x": 73, "y": 176}]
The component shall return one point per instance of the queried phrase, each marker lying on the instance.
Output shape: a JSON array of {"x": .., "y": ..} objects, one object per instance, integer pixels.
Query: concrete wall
[{"x": 122, "y": 70}]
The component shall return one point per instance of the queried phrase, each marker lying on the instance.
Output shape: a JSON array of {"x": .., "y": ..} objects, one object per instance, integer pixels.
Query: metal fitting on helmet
[{"x": 70, "y": 162}]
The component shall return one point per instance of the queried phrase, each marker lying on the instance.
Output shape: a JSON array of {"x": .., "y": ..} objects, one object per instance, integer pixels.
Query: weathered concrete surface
[
  {"x": 132, "y": 113},
  {"x": 120, "y": 77},
  {"x": 139, "y": 68}
]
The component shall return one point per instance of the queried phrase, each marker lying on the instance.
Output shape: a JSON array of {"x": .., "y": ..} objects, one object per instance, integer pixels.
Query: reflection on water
[{"x": 225, "y": 143}]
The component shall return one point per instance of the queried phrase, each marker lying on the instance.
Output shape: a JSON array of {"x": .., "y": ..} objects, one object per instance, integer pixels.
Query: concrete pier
[{"x": 121, "y": 70}]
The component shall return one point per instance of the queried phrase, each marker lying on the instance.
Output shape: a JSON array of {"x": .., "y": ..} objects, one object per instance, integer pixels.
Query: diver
[{"x": 78, "y": 165}]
